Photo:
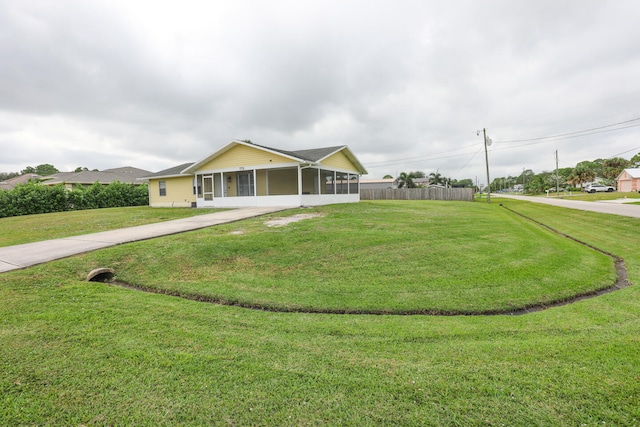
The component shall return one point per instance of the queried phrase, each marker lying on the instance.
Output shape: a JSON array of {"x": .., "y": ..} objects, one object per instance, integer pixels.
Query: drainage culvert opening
[{"x": 102, "y": 274}]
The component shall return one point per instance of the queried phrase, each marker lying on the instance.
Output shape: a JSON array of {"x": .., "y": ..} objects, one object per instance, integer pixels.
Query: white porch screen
[{"x": 245, "y": 184}]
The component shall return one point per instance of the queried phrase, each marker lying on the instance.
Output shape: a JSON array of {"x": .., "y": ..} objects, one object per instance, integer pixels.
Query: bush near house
[{"x": 32, "y": 198}]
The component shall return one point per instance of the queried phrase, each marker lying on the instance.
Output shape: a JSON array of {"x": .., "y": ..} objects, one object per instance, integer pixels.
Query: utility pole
[{"x": 487, "y": 141}]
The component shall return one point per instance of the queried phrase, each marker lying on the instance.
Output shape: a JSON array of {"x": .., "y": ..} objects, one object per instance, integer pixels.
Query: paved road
[
  {"x": 22, "y": 256},
  {"x": 616, "y": 207}
]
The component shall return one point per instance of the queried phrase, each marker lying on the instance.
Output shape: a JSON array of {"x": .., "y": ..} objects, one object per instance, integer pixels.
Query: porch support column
[
  {"x": 255, "y": 183},
  {"x": 299, "y": 180}
]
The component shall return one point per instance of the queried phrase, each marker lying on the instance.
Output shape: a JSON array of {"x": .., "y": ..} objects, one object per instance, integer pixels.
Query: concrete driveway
[
  {"x": 22, "y": 256},
  {"x": 617, "y": 207}
]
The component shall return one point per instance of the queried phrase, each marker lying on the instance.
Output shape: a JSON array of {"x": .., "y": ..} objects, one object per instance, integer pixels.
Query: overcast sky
[{"x": 405, "y": 84}]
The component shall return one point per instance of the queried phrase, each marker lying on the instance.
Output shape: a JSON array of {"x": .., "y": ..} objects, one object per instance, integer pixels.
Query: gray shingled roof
[
  {"x": 125, "y": 174},
  {"x": 176, "y": 170}
]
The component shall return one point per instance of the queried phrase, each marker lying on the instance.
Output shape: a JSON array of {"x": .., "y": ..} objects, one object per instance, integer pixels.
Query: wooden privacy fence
[{"x": 432, "y": 193}]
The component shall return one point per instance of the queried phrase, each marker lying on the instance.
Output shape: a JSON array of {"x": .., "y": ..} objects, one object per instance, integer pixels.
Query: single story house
[
  {"x": 629, "y": 180},
  {"x": 383, "y": 183},
  {"x": 244, "y": 174},
  {"x": 71, "y": 180}
]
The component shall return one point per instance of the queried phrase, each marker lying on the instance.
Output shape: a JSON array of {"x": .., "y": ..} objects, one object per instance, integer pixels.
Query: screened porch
[{"x": 287, "y": 186}]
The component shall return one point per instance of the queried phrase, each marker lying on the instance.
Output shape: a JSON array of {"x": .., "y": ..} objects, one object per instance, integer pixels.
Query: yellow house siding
[
  {"x": 309, "y": 181},
  {"x": 339, "y": 161},
  {"x": 261, "y": 177},
  {"x": 283, "y": 182},
  {"x": 154, "y": 191},
  {"x": 179, "y": 192},
  {"x": 241, "y": 155}
]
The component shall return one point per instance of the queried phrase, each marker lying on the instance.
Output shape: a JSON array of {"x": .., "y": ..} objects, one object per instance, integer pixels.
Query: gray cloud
[{"x": 88, "y": 83}]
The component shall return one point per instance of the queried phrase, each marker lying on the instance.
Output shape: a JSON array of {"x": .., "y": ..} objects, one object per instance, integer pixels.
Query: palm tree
[
  {"x": 406, "y": 180},
  {"x": 435, "y": 178},
  {"x": 613, "y": 167},
  {"x": 580, "y": 175}
]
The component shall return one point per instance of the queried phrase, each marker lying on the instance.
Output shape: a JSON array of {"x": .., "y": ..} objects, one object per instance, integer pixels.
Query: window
[
  {"x": 162, "y": 185},
  {"x": 196, "y": 188}
]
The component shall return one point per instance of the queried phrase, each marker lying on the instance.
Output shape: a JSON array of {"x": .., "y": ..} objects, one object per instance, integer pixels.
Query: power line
[
  {"x": 625, "y": 152},
  {"x": 572, "y": 133},
  {"x": 416, "y": 160},
  {"x": 529, "y": 141},
  {"x": 559, "y": 139},
  {"x": 469, "y": 161},
  {"x": 424, "y": 156}
]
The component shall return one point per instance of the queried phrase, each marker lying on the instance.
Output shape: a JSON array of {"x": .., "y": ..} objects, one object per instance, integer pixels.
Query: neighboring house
[
  {"x": 243, "y": 174},
  {"x": 384, "y": 183},
  {"x": 71, "y": 180},
  {"x": 629, "y": 180},
  {"x": 22, "y": 179}
]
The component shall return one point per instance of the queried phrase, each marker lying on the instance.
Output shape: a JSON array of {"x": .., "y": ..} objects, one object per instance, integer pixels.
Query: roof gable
[
  {"x": 233, "y": 144},
  {"x": 314, "y": 155},
  {"x": 632, "y": 172},
  {"x": 310, "y": 155}
]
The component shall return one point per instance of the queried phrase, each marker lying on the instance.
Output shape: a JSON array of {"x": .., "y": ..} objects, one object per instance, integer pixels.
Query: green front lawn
[
  {"x": 388, "y": 257},
  {"x": 78, "y": 353}
]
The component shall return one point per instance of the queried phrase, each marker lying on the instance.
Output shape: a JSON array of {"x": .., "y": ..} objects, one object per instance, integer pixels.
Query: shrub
[{"x": 32, "y": 198}]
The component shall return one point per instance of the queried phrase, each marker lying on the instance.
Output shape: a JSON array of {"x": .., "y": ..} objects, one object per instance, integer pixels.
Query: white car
[{"x": 593, "y": 188}]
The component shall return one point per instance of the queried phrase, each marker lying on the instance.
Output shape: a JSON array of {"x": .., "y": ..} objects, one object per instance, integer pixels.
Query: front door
[
  {"x": 244, "y": 182},
  {"x": 207, "y": 190}
]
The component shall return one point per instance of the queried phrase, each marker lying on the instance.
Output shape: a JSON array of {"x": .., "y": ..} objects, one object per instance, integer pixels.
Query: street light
[{"x": 487, "y": 142}]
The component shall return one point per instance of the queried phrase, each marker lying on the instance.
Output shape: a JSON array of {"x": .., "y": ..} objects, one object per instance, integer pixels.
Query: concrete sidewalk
[
  {"x": 622, "y": 209},
  {"x": 22, "y": 256}
]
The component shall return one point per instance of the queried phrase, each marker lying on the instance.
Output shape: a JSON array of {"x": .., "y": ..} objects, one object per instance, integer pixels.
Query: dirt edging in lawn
[{"x": 621, "y": 282}]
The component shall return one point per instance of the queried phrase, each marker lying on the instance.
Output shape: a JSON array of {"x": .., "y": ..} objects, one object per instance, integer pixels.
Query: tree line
[
  {"x": 33, "y": 198},
  {"x": 568, "y": 179},
  {"x": 44, "y": 169}
]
